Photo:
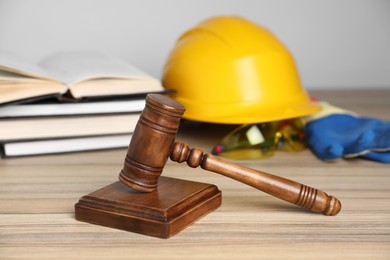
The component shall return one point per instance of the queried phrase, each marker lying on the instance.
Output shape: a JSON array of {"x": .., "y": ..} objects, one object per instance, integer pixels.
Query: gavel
[{"x": 153, "y": 142}]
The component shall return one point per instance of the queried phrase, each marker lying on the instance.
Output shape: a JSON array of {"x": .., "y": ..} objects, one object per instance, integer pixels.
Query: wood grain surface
[{"x": 38, "y": 194}]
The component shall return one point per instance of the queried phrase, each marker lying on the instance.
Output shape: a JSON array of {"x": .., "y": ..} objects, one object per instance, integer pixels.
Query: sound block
[{"x": 163, "y": 213}]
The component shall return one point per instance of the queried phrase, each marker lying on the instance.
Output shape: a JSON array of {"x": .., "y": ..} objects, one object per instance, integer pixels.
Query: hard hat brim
[{"x": 248, "y": 115}]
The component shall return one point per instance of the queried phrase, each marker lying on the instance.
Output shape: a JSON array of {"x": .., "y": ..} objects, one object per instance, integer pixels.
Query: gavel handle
[{"x": 282, "y": 188}]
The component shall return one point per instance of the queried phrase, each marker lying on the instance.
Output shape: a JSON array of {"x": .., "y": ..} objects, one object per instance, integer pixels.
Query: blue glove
[
  {"x": 345, "y": 135},
  {"x": 383, "y": 157}
]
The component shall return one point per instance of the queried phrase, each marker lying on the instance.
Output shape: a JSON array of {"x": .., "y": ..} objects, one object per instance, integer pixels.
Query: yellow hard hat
[{"x": 230, "y": 70}]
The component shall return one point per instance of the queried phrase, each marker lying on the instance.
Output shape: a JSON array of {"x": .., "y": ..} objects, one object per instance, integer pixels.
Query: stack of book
[{"x": 69, "y": 102}]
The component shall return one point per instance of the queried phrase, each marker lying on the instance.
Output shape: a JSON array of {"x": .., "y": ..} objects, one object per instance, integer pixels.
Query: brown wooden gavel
[{"x": 153, "y": 142}]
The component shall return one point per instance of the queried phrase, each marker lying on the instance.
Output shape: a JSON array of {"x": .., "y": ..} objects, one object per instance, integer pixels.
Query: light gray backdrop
[{"x": 336, "y": 44}]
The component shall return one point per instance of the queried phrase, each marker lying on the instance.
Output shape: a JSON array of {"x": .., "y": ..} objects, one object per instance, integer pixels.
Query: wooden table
[{"x": 37, "y": 197}]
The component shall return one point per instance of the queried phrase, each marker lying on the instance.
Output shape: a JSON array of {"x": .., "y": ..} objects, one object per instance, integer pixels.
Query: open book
[{"x": 73, "y": 75}]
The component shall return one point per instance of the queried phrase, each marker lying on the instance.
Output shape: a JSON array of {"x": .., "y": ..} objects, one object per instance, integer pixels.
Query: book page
[
  {"x": 10, "y": 77},
  {"x": 74, "y": 67},
  {"x": 107, "y": 86},
  {"x": 20, "y": 91},
  {"x": 13, "y": 63}
]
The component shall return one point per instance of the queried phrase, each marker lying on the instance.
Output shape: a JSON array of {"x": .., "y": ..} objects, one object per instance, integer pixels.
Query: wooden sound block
[{"x": 163, "y": 213}]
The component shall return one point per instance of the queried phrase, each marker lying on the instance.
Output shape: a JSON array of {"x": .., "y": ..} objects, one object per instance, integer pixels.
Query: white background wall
[{"x": 336, "y": 44}]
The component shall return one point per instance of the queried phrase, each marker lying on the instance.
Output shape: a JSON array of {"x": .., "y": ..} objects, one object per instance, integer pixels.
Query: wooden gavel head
[{"x": 151, "y": 143}]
